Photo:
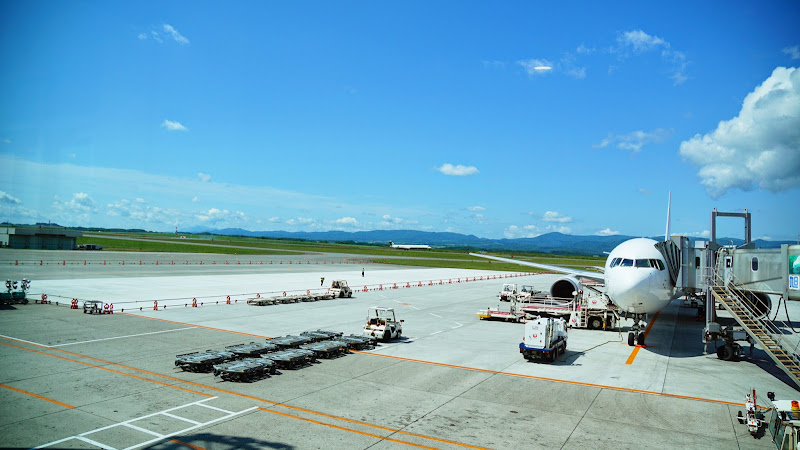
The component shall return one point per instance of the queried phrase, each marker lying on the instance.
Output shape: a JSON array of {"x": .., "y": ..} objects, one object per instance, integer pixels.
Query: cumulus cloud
[
  {"x": 476, "y": 208},
  {"x": 635, "y": 140},
  {"x": 395, "y": 222},
  {"x": 553, "y": 216},
  {"x": 195, "y": 200},
  {"x": 536, "y": 66},
  {"x": 515, "y": 232},
  {"x": 644, "y": 191},
  {"x": 607, "y": 232},
  {"x": 137, "y": 213},
  {"x": 9, "y": 199},
  {"x": 204, "y": 177},
  {"x": 458, "y": 171},
  {"x": 274, "y": 219},
  {"x": 216, "y": 216},
  {"x": 173, "y": 126},
  {"x": 793, "y": 52},
  {"x": 300, "y": 221},
  {"x": 349, "y": 221},
  {"x": 758, "y": 148},
  {"x": 640, "y": 42},
  {"x": 179, "y": 38}
]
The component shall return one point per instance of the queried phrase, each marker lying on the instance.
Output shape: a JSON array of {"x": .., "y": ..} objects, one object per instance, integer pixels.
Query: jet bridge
[{"x": 743, "y": 280}]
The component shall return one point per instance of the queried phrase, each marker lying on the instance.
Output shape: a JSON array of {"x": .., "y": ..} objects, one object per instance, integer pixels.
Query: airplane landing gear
[
  {"x": 636, "y": 335},
  {"x": 635, "y": 338}
]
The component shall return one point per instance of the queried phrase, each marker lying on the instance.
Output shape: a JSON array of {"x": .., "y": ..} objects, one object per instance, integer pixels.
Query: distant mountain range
[{"x": 555, "y": 243}]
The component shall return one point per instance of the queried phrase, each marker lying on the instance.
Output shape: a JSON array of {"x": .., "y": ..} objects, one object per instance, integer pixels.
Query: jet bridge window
[
  {"x": 754, "y": 264},
  {"x": 627, "y": 263}
]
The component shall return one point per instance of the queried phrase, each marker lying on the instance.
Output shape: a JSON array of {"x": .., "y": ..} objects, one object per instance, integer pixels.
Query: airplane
[
  {"x": 409, "y": 246},
  {"x": 640, "y": 277}
]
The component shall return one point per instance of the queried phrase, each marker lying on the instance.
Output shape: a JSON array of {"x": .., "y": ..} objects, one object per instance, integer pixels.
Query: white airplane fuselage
[{"x": 636, "y": 277}]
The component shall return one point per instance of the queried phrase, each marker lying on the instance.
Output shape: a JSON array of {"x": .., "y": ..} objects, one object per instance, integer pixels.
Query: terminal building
[{"x": 48, "y": 238}]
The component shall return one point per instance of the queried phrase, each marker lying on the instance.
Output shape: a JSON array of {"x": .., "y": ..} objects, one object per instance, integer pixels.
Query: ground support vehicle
[
  {"x": 339, "y": 288},
  {"x": 203, "y": 361},
  {"x": 527, "y": 292},
  {"x": 93, "y": 307},
  {"x": 507, "y": 292},
  {"x": 12, "y": 295},
  {"x": 326, "y": 349},
  {"x": 513, "y": 314},
  {"x": 594, "y": 312},
  {"x": 292, "y": 358},
  {"x": 251, "y": 350},
  {"x": 322, "y": 335},
  {"x": 289, "y": 341},
  {"x": 247, "y": 369},
  {"x": 382, "y": 324},
  {"x": 359, "y": 342},
  {"x": 545, "y": 339}
]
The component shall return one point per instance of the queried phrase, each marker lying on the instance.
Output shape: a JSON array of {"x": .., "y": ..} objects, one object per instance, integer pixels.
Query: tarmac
[{"x": 74, "y": 380}]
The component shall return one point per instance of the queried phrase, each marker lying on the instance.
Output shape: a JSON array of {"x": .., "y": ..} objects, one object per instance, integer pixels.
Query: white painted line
[
  {"x": 435, "y": 332},
  {"x": 434, "y": 315},
  {"x": 22, "y": 340},
  {"x": 122, "y": 337},
  {"x": 215, "y": 408},
  {"x": 413, "y": 307},
  {"x": 95, "y": 443},
  {"x": 180, "y": 418},
  {"x": 459, "y": 326},
  {"x": 134, "y": 427}
]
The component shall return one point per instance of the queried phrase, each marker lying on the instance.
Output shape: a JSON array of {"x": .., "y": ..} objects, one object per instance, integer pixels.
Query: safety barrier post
[{"x": 155, "y": 305}]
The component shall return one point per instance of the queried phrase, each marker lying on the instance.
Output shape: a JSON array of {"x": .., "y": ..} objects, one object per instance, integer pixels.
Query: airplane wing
[{"x": 580, "y": 273}]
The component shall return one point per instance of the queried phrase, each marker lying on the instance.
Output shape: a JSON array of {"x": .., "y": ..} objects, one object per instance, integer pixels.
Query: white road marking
[
  {"x": 22, "y": 340},
  {"x": 459, "y": 326},
  {"x": 121, "y": 337},
  {"x": 435, "y": 332},
  {"x": 434, "y": 315}
]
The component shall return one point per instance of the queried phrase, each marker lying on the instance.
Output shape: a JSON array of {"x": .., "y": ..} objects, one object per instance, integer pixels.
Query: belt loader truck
[{"x": 545, "y": 339}]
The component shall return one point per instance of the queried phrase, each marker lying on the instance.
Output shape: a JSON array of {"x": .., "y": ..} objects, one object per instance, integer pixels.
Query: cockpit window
[
  {"x": 615, "y": 262},
  {"x": 642, "y": 263},
  {"x": 627, "y": 263}
]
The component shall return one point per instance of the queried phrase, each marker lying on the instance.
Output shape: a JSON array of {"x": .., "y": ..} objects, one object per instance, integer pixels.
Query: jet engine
[{"x": 565, "y": 288}]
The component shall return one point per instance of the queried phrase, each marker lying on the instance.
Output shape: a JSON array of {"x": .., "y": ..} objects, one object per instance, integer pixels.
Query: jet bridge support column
[{"x": 713, "y": 328}]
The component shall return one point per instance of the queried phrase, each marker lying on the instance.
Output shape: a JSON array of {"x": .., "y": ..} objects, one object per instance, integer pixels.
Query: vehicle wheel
[
  {"x": 631, "y": 339},
  {"x": 595, "y": 323},
  {"x": 725, "y": 352},
  {"x": 640, "y": 338}
]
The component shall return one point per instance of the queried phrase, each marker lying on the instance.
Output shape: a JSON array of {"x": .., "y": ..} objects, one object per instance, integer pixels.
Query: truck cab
[
  {"x": 339, "y": 288},
  {"x": 507, "y": 291},
  {"x": 382, "y": 324}
]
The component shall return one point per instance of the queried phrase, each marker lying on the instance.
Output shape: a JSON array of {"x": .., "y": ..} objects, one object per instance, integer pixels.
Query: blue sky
[{"x": 499, "y": 120}]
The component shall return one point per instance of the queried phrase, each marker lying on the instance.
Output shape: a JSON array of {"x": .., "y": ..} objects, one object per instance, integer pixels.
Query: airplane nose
[{"x": 629, "y": 290}]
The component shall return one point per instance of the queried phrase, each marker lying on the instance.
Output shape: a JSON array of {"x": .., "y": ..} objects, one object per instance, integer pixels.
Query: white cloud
[
  {"x": 697, "y": 234},
  {"x": 607, "y": 232},
  {"x": 173, "y": 126},
  {"x": 515, "y": 232},
  {"x": 179, "y": 38},
  {"x": 558, "y": 229},
  {"x": 300, "y": 221},
  {"x": 142, "y": 36},
  {"x": 138, "y": 213},
  {"x": 195, "y": 200},
  {"x": 553, "y": 216},
  {"x": 395, "y": 222},
  {"x": 204, "y": 177},
  {"x": 644, "y": 191},
  {"x": 640, "y": 42},
  {"x": 8, "y": 199},
  {"x": 759, "y": 147},
  {"x": 274, "y": 219},
  {"x": 459, "y": 170},
  {"x": 476, "y": 208},
  {"x": 221, "y": 217},
  {"x": 793, "y": 52},
  {"x": 536, "y": 66},
  {"x": 634, "y": 141},
  {"x": 349, "y": 221}
]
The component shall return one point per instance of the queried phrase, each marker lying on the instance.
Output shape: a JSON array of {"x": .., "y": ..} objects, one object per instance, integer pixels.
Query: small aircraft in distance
[
  {"x": 640, "y": 277},
  {"x": 410, "y": 246}
]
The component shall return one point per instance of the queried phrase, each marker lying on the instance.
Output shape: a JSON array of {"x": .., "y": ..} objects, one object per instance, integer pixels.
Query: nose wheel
[{"x": 635, "y": 338}]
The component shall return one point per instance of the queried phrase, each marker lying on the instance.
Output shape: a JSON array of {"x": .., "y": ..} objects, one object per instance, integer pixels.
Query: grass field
[{"x": 168, "y": 243}]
